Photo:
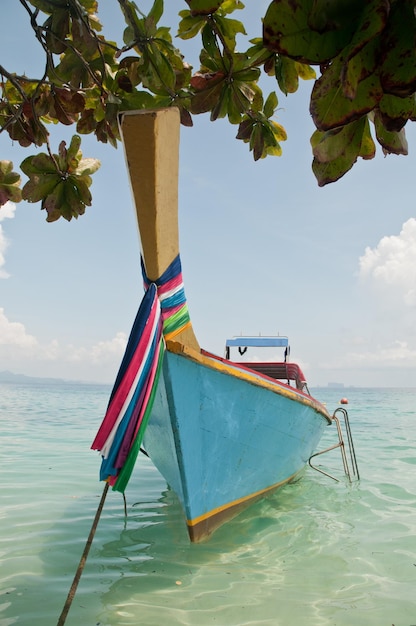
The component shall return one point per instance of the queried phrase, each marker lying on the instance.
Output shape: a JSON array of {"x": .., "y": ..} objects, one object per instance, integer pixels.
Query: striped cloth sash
[{"x": 163, "y": 314}]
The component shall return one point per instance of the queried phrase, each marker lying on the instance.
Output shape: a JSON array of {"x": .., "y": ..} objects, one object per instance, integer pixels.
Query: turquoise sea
[{"x": 315, "y": 553}]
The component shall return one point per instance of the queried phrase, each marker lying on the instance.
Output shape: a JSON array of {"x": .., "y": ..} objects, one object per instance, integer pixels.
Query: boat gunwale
[{"x": 238, "y": 370}]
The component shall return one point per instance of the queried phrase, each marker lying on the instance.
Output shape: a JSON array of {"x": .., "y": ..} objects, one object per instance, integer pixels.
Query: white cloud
[
  {"x": 391, "y": 265},
  {"x": 14, "y": 334},
  {"x": 395, "y": 354},
  {"x": 112, "y": 348},
  {"x": 23, "y": 353},
  {"x": 101, "y": 352},
  {"x": 6, "y": 211}
]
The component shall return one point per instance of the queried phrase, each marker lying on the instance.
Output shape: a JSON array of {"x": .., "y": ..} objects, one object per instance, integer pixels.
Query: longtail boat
[{"x": 222, "y": 433}]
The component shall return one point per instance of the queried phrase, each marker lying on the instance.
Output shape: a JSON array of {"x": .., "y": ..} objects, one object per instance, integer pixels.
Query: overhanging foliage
[{"x": 364, "y": 94}]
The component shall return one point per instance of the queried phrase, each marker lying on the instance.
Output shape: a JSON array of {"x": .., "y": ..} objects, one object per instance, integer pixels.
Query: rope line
[{"x": 83, "y": 560}]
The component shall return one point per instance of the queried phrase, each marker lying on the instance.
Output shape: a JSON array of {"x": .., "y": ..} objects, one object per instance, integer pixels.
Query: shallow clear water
[{"x": 316, "y": 553}]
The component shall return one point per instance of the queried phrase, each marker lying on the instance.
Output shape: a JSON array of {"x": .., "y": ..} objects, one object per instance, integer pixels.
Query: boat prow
[{"x": 222, "y": 433}]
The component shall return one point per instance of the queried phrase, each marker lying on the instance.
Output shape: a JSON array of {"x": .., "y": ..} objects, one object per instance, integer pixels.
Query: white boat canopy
[{"x": 257, "y": 342}]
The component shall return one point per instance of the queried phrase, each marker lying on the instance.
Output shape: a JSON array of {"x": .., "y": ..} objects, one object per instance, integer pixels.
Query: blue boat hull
[{"x": 222, "y": 437}]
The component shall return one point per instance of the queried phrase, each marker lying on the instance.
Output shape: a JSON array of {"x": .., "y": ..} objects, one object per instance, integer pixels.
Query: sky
[{"x": 263, "y": 248}]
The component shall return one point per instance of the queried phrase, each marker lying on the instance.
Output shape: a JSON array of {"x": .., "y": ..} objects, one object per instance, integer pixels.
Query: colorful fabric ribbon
[{"x": 163, "y": 314}]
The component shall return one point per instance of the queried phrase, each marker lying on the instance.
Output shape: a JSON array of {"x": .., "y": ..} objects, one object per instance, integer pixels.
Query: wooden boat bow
[{"x": 221, "y": 434}]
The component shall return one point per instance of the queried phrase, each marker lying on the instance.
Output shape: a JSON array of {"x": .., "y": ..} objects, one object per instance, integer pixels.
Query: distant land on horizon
[{"x": 9, "y": 377}]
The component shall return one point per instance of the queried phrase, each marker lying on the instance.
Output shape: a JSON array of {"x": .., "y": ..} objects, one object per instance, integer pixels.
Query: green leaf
[
  {"x": 310, "y": 31},
  {"x": 84, "y": 40},
  {"x": 161, "y": 78},
  {"x": 57, "y": 28},
  {"x": 46, "y": 6},
  {"x": 336, "y": 151},
  {"x": 269, "y": 137},
  {"x": 278, "y": 131},
  {"x": 258, "y": 54},
  {"x": 337, "y": 142},
  {"x": 139, "y": 100},
  {"x": 330, "y": 108},
  {"x": 229, "y": 6},
  {"x": 398, "y": 69},
  {"x": 74, "y": 149},
  {"x": 190, "y": 25},
  {"x": 53, "y": 202},
  {"x": 391, "y": 142},
  {"x": 370, "y": 23},
  {"x": 359, "y": 67},
  {"x": 257, "y": 142},
  {"x": 262, "y": 135},
  {"x": 237, "y": 104},
  {"x": 82, "y": 185},
  {"x": 257, "y": 102},
  {"x": 72, "y": 206},
  {"x": 286, "y": 73},
  {"x": 395, "y": 111},
  {"x": 40, "y": 186},
  {"x": 332, "y": 171},
  {"x": 368, "y": 147},
  {"x": 38, "y": 164},
  {"x": 9, "y": 183},
  {"x": 82, "y": 71},
  {"x": 249, "y": 75},
  {"x": 221, "y": 106},
  {"x": 305, "y": 72},
  {"x": 271, "y": 104},
  {"x": 9, "y": 192},
  {"x": 274, "y": 150},
  {"x": 229, "y": 29},
  {"x": 164, "y": 39},
  {"x": 209, "y": 40},
  {"x": 203, "y": 7},
  {"x": 245, "y": 93},
  {"x": 156, "y": 11},
  {"x": 68, "y": 199}
]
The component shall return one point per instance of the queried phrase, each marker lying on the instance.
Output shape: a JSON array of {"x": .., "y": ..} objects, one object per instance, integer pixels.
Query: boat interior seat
[{"x": 279, "y": 371}]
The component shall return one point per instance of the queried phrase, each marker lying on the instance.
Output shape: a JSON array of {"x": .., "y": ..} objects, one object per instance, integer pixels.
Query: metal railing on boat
[{"x": 346, "y": 448}]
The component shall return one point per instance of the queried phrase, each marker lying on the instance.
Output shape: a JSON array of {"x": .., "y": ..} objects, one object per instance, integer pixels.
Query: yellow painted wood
[{"x": 151, "y": 144}]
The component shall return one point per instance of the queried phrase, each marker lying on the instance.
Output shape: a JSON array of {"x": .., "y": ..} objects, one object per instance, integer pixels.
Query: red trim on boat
[{"x": 269, "y": 369}]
